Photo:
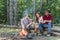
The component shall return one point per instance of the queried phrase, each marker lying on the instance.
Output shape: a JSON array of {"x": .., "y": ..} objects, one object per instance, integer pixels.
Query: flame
[{"x": 23, "y": 32}]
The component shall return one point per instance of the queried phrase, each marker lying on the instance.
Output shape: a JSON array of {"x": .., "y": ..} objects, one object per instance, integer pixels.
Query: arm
[
  {"x": 41, "y": 20},
  {"x": 29, "y": 23},
  {"x": 47, "y": 20},
  {"x": 22, "y": 24},
  {"x": 50, "y": 20}
]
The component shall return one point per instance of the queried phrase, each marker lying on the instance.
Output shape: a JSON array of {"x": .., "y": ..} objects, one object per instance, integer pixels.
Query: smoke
[{"x": 25, "y": 12}]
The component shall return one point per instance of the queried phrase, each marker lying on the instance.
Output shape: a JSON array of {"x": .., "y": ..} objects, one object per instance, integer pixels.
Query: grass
[
  {"x": 52, "y": 38},
  {"x": 12, "y": 31},
  {"x": 8, "y": 30}
]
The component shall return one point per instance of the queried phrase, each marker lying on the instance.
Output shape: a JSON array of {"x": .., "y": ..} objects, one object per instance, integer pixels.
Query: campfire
[{"x": 23, "y": 33}]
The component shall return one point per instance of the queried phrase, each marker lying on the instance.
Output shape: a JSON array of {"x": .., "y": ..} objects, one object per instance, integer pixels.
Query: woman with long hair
[{"x": 39, "y": 19}]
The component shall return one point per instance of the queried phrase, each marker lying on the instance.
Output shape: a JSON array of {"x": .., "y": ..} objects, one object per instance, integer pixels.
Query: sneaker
[{"x": 48, "y": 35}]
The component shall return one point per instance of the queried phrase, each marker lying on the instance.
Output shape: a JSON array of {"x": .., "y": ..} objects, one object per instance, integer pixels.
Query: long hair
[{"x": 37, "y": 17}]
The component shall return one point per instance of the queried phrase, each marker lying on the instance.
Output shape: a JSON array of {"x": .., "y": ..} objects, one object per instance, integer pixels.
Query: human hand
[
  {"x": 43, "y": 22},
  {"x": 23, "y": 27},
  {"x": 27, "y": 26}
]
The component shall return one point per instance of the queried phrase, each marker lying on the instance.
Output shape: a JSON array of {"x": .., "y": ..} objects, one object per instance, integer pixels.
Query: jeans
[
  {"x": 41, "y": 26},
  {"x": 29, "y": 29}
]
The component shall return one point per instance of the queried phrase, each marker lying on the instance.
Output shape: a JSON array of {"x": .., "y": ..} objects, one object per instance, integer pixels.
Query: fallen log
[
  {"x": 56, "y": 30},
  {"x": 55, "y": 34}
]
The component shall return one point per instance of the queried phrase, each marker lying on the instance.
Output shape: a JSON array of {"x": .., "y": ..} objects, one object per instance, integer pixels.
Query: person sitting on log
[
  {"x": 25, "y": 23},
  {"x": 39, "y": 19},
  {"x": 47, "y": 22}
]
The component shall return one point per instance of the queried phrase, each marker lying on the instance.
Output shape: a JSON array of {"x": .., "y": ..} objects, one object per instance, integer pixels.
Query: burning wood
[{"x": 23, "y": 33}]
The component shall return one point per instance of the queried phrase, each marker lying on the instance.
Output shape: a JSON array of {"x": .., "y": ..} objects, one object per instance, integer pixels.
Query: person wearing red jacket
[{"x": 47, "y": 21}]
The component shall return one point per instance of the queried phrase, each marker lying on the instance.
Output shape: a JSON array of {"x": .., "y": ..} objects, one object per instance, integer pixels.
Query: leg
[
  {"x": 49, "y": 27},
  {"x": 36, "y": 28},
  {"x": 29, "y": 29},
  {"x": 41, "y": 27},
  {"x": 37, "y": 31}
]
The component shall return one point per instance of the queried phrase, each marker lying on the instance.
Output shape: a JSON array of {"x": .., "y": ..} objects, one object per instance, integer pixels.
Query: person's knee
[
  {"x": 49, "y": 23},
  {"x": 40, "y": 25},
  {"x": 30, "y": 28},
  {"x": 49, "y": 26}
]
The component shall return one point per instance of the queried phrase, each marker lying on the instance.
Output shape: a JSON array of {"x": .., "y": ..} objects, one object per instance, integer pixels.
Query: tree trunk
[
  {"x": 34, "y": 8},
  {"x": 7, "y": 14},
  {"x": 47, "y": 2},
  {"x": 41, "y": 4},
  {"x": 15, "y": 12},
  {"x": 11, "y": 12}
]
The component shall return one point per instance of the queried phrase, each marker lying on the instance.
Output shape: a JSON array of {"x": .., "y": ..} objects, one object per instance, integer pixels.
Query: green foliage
[
  {"x": 54, "y": 5},
  {"x": 23, "y": 5},
  {"x": 3, "y": 15}
]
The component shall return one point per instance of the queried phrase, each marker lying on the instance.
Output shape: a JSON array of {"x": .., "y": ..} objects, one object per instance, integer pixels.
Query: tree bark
[
  {"x": 34, "y": 8},
  {"x": 7, "y": 14},
  {"x": 11, "y": 12},
  {"x": 41, "y": 5},
  {"x": 47, "y": 2},
  {"x": 15, "y": 12}
]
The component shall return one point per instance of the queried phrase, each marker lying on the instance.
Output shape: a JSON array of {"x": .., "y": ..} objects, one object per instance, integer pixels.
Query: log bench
[{"x": 55, "y": 30}]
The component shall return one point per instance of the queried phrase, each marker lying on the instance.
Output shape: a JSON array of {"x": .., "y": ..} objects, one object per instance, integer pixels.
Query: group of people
[{"x": 42, "y": 21}]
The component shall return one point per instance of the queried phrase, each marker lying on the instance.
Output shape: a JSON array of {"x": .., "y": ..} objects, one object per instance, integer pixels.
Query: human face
[
  {"x": 37, "y": 15},
  {"x": 25, "y": 17},
  {"x": 46, "y": 13}
]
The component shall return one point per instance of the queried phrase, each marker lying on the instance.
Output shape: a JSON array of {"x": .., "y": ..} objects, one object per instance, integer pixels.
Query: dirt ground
[
  {"x": 8, "y": 34},
  {"x": 5, "y": 36}
]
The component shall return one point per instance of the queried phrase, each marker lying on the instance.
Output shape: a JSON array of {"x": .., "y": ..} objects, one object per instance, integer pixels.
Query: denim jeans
[
  {"x": 29, "y": 29},
  {"x": 41, "y": 26}
]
